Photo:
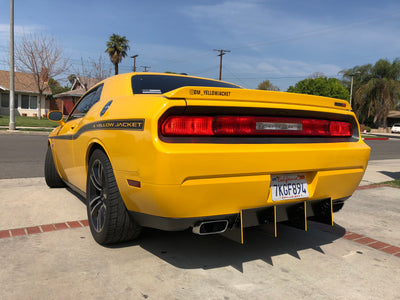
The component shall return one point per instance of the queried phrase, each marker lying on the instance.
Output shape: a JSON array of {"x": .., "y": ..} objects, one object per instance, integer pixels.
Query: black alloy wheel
[
  {"x": 109, "y": 219},
  {"x": 98, "y": 192}
]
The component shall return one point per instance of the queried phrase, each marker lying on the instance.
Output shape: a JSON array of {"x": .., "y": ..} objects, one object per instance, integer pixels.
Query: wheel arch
[
  {"x": 55, "y": 159},
  {"x": 94, "y": 145}
]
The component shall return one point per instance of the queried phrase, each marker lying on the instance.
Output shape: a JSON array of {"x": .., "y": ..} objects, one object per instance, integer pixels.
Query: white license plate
[{"x": 289, "y": 186}]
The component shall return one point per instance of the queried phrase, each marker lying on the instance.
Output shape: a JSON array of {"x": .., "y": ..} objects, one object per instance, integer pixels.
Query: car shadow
[
  {"x": 186, "y": 250},
  {"x": 393, "y": 175}
]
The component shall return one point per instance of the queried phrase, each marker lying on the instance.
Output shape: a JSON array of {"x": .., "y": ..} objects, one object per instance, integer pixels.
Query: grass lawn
[
  {"x": 27, "y": 121},
  {"x": 395, "y": 183},
  {"x": 363, "y": 135}
]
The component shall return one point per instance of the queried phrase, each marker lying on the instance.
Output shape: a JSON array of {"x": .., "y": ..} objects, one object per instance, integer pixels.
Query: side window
[{"x": 86, "y": 103}]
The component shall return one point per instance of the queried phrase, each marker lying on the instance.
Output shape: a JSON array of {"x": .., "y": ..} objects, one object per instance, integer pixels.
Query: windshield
[{"x": 160, "y": 84}]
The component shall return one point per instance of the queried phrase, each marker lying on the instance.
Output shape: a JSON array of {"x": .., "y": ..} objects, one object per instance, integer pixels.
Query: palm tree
[
  {"x": 377, "y": 90},
  {"x": 116, "y": 48}
]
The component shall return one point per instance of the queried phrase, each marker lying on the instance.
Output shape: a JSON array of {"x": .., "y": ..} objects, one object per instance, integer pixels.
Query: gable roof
[
  {"x": 84, "y": 82},
  {"x": 80, "y": 86},
  {"x": 23, "y": 82}
]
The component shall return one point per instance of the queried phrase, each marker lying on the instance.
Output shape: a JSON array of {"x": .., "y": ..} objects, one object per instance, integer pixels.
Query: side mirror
[{"x": 56, "y": 116}]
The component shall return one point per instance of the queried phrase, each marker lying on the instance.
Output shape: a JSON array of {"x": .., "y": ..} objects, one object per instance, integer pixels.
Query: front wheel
[
  {"x": 108, "y": 217},
  {"x": 51, "y": 176}
]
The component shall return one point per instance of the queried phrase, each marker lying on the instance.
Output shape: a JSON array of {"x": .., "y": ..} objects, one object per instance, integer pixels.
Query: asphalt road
[{"x": 22, "y": 156}]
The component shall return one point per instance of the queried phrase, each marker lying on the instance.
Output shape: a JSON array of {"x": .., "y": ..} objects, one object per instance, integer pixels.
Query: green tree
[
  {"x": 71, "y": 78},
  {"x": 321, "y": 86},
  {"x": 56, "y": 88},
  {"x": 376, "y": 90},
  {"x": 266, "y": 85},
  {"x": 116, "y": 49}
]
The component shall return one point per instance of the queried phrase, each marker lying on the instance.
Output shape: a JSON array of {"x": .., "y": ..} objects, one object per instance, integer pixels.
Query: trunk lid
[{"x": 195, "y": 94}]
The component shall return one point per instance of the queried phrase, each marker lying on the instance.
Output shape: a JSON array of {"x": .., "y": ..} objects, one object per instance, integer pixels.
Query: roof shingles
[{"x": 23, "y": 82}]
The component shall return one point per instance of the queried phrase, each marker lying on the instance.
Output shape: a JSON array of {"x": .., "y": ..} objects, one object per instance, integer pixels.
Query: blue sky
[{"x": 283, "y": 41}]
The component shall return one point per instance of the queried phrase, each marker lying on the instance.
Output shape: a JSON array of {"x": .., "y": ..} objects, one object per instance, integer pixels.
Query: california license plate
[{"x": 289, "y": 186}]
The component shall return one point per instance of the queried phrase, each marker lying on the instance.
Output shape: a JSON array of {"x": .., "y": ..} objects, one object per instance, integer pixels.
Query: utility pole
[
  {"x": 145, "y": 68},
  {"x": 11, "y": 102},
  {"x": 221, "y": 53},
  {"x": 134, "y": 61}
]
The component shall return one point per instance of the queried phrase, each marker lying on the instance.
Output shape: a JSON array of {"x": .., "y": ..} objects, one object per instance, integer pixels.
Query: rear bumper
[
  {"x": 198, "y": 180},
  {"x": 213, "y": 196}
]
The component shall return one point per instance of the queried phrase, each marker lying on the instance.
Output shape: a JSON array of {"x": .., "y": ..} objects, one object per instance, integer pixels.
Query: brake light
[
  {"x": 253, "y": 126},
  {"x": 187, "y": 126}
]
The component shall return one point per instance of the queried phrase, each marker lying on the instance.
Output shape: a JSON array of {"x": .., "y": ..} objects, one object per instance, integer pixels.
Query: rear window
[{"x": 160, "y": 84}]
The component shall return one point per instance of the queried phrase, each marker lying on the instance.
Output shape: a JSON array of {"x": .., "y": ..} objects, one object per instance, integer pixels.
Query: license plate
[{"x": 289, "y": 186}]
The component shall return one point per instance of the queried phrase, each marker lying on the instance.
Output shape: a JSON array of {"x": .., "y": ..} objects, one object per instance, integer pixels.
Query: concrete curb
[
  {"x": 7, "y": 233},
  {"x": 375, "y": 139},
  {"x": 358, "y": 238}
]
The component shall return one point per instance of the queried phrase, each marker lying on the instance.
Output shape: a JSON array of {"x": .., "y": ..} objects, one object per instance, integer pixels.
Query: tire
[
  {"x": 51, "y": 176},
  {"x": 337, "y": 206},
  {"x": 109, "y": 219}
]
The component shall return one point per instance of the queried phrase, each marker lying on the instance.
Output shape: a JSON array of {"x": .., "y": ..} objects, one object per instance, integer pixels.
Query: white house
[{"x": 26, "y": 99}]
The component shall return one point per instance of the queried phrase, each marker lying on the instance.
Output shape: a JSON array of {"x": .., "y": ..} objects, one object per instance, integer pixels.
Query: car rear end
[
  {"x": 223, "y": 159},
  {"x": 396, "y": 128}
]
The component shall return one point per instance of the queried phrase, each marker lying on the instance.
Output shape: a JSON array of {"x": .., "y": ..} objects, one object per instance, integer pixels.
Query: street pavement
[{"x": 52, "y": 255}]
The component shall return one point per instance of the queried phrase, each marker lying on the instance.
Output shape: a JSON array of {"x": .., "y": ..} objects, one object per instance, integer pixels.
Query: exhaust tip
[{"x": 211, "y": 227}]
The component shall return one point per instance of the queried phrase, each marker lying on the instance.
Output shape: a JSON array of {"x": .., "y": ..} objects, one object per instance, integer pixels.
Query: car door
[{"x": 68, "y": 136}]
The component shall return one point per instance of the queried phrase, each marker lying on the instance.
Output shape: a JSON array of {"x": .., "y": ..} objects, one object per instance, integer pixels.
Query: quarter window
[{"x": 86, "y": 103}]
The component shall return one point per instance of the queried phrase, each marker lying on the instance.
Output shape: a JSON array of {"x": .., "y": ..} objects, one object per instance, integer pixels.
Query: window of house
[
  {"x": 5, "y": 100},
  {"x": 25, "y": 101},
  {"x": 33, "y": 103},
  {"x": 29, "y": 102}
]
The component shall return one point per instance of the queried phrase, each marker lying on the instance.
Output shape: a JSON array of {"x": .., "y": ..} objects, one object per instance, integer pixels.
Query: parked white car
[{"x": 396, "y": 128}]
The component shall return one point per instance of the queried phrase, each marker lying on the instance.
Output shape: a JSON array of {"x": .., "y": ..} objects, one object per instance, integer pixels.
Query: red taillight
[
  {"x": 187, "y": 126},
  {"x": 252, "y": 126},
  {"x": 340, "y": 129}
]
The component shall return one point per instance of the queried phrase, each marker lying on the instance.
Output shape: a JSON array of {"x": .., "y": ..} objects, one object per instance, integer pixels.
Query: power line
[
  {"x": 221, "y": 53},
  {"x": 145, "y": 68}
]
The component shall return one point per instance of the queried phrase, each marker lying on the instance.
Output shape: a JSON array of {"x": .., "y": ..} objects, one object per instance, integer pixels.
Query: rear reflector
[
  {"x": 252, "y": 126},
  {"x": 134, "y": 183}
]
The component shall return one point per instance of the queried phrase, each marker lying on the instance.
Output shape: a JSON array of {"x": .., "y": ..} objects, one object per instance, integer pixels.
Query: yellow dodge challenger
[{"x": 175, "y": 152}]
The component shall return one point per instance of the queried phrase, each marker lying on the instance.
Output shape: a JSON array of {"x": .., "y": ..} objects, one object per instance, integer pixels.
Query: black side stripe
[{"x": 128, "y": 124}]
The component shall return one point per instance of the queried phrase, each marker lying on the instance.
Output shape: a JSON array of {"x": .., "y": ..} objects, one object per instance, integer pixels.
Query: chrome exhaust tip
[{"x": 211, "y": 227}]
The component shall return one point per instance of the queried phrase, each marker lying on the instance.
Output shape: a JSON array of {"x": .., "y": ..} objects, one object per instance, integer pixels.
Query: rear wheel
[
  {"x": 108, "y": 217},
  {"x": 51, "y": 176}
]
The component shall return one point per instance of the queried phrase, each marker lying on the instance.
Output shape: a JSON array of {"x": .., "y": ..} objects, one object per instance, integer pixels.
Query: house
[
  {"x": 393, "y": 117},
  {"x": 66, "y": 101},
  {"x": 26, "y": 97}
]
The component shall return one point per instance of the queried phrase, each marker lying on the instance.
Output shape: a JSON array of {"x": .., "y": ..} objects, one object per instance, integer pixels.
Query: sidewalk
[
  {"x": 380, "y": 171},
  {"x": 389, "y": 135},
  {"x": 26, "y": 130}
]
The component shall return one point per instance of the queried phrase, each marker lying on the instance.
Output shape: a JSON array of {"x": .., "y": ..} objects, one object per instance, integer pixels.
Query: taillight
[
  {"x": 187, "y": 126},
  {"x": 252, "y": 126}
]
